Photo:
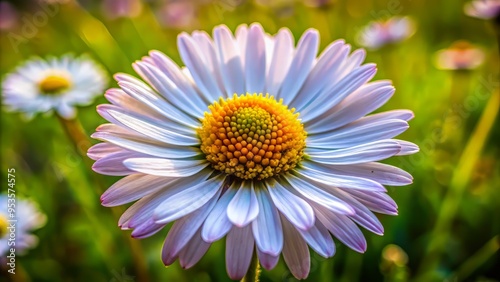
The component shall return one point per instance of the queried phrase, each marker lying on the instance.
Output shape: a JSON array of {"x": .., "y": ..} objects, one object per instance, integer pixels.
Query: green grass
[{"x": 449, "y": 218}]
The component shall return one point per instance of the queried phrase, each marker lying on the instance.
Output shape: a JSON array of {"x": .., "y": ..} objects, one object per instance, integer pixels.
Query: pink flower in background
[
  {"x": 255, "y": 139},
  {"x": 483, "y": 9},
  {"x": 8, "y": 16},
  {"x": 460, "y": 55},
  {"x": 114, "y": 9},
  {"x": 380, "y": 33},
  {"x": 318, "y": 3},
  {"x": 177, "y": 14}
]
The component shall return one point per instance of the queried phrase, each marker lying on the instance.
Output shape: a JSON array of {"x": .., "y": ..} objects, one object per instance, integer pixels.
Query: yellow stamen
[
  {"x": 53, "y": 84},
  {"x": 3, "y": 225},
  {"x": 252, "y": 136}
]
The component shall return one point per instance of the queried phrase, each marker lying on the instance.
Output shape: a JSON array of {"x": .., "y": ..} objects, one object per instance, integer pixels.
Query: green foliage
[{"x": 448, "y": 218}]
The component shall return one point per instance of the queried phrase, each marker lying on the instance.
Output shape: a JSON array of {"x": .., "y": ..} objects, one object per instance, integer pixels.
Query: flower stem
[{"x": 253, "y": 271}]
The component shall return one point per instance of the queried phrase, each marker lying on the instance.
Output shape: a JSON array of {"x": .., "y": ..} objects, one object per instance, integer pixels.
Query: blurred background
[{"x": 449, "y": 219}]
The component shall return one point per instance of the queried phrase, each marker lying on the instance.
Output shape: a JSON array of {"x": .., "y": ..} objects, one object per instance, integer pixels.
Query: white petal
[
  {"x": 295, "y": 209},
  {"x": 208, "y": 47},
  {"x": 241, "y": 35},
  {"x": 303, "y": 60},
  {"x": 217, "y": 223},
  {"x": 188, "y": 200},
  {"x": 101, "y": 150},
  {"x": 295, "y": 251},
  {"x": 280, "y": 62},
  {"x": 133, "y": 187},
  {"x": 200, "y": 65},
  {"x": 328, "y": 63},
  {"x": 267, "y": 226},
  {"x": 66, "y": 111},
  {"x": 133, "y": 141},
  {"x": 153, "y": 129},
  {"x": 239, "y": 251},
  {"x": 255, "y": 60},
  {"x": 169, "y": 90},
  {"x": 112, "y": 164},
  {"x": 244, "y": 207},
  {"x": 363, "y": 101},
  {"x": 323, "y": 174},
  {"x": 369, "y": 152},
  {"x": 229, "y": 60},
  {"x": 319, "y": 196},
  {"x": 143, "y": 209},
  {"x": 165, "y": 167},
  {"x": 333, "y": 95},
  {"x": 147, "y": 98},
  {"x": 407, "y": 148},
  {"x": 357, "y": 133}
]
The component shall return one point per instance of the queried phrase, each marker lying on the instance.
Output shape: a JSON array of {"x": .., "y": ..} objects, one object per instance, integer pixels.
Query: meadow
[{"x": 448, "y": 226}]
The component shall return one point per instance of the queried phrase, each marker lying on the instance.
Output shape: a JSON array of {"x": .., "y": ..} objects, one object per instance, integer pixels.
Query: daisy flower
[
  {"x": 460, "y": 56},
  {"x": 58, "y": 84},
  {"x": 379, "y": 33},
  {"x": 255, "y": 140},
  {"x": 28, "y": 218},
  {"x": 483, "y": 9}
]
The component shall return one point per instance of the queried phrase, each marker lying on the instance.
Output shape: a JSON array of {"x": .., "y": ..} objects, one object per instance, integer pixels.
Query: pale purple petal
[
  {"x": 133, "y": 187},
  {"x": 183, "y": 230},
  {"x": 165, "y": 167},
  {"x": 309, "y": 191},
  {"x": 342, "y": 228},
  {"x": 295, "y": 251},
  {"x": 217, "y": 223},
  {"x": 255, "y": 60},
  {"x": 303, "y": 60},
  {"x": 280, "y": 62},
  {"x": 267, "y": 261},
  {"x": 267, "y": 226},
  {"x": 193, "y": 251},
  {"x": 369, "y": 152},
  {"x": 188, "y": 200},
  {"x": 244, "y": 206},
  {"x": 295, "y": 209},
  {"x": 239, "y": 251}
]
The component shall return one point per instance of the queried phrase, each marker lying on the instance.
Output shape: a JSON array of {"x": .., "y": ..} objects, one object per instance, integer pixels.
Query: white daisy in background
[
  {"x": 379, "y": 33},
  {"x": 460, "y": 56},
  {"x": 28, "y": 218},
  {"x": 256, "y": 140},
  {"x": 483, "y": 9},
  {"x": 58, "y": 84}
]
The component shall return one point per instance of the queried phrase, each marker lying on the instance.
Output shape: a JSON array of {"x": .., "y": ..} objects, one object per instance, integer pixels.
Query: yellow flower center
[
  {"x": 53, "y": 84},
  {"x": 252, "y": 136},
  {"x": 3, "y": 225}
]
